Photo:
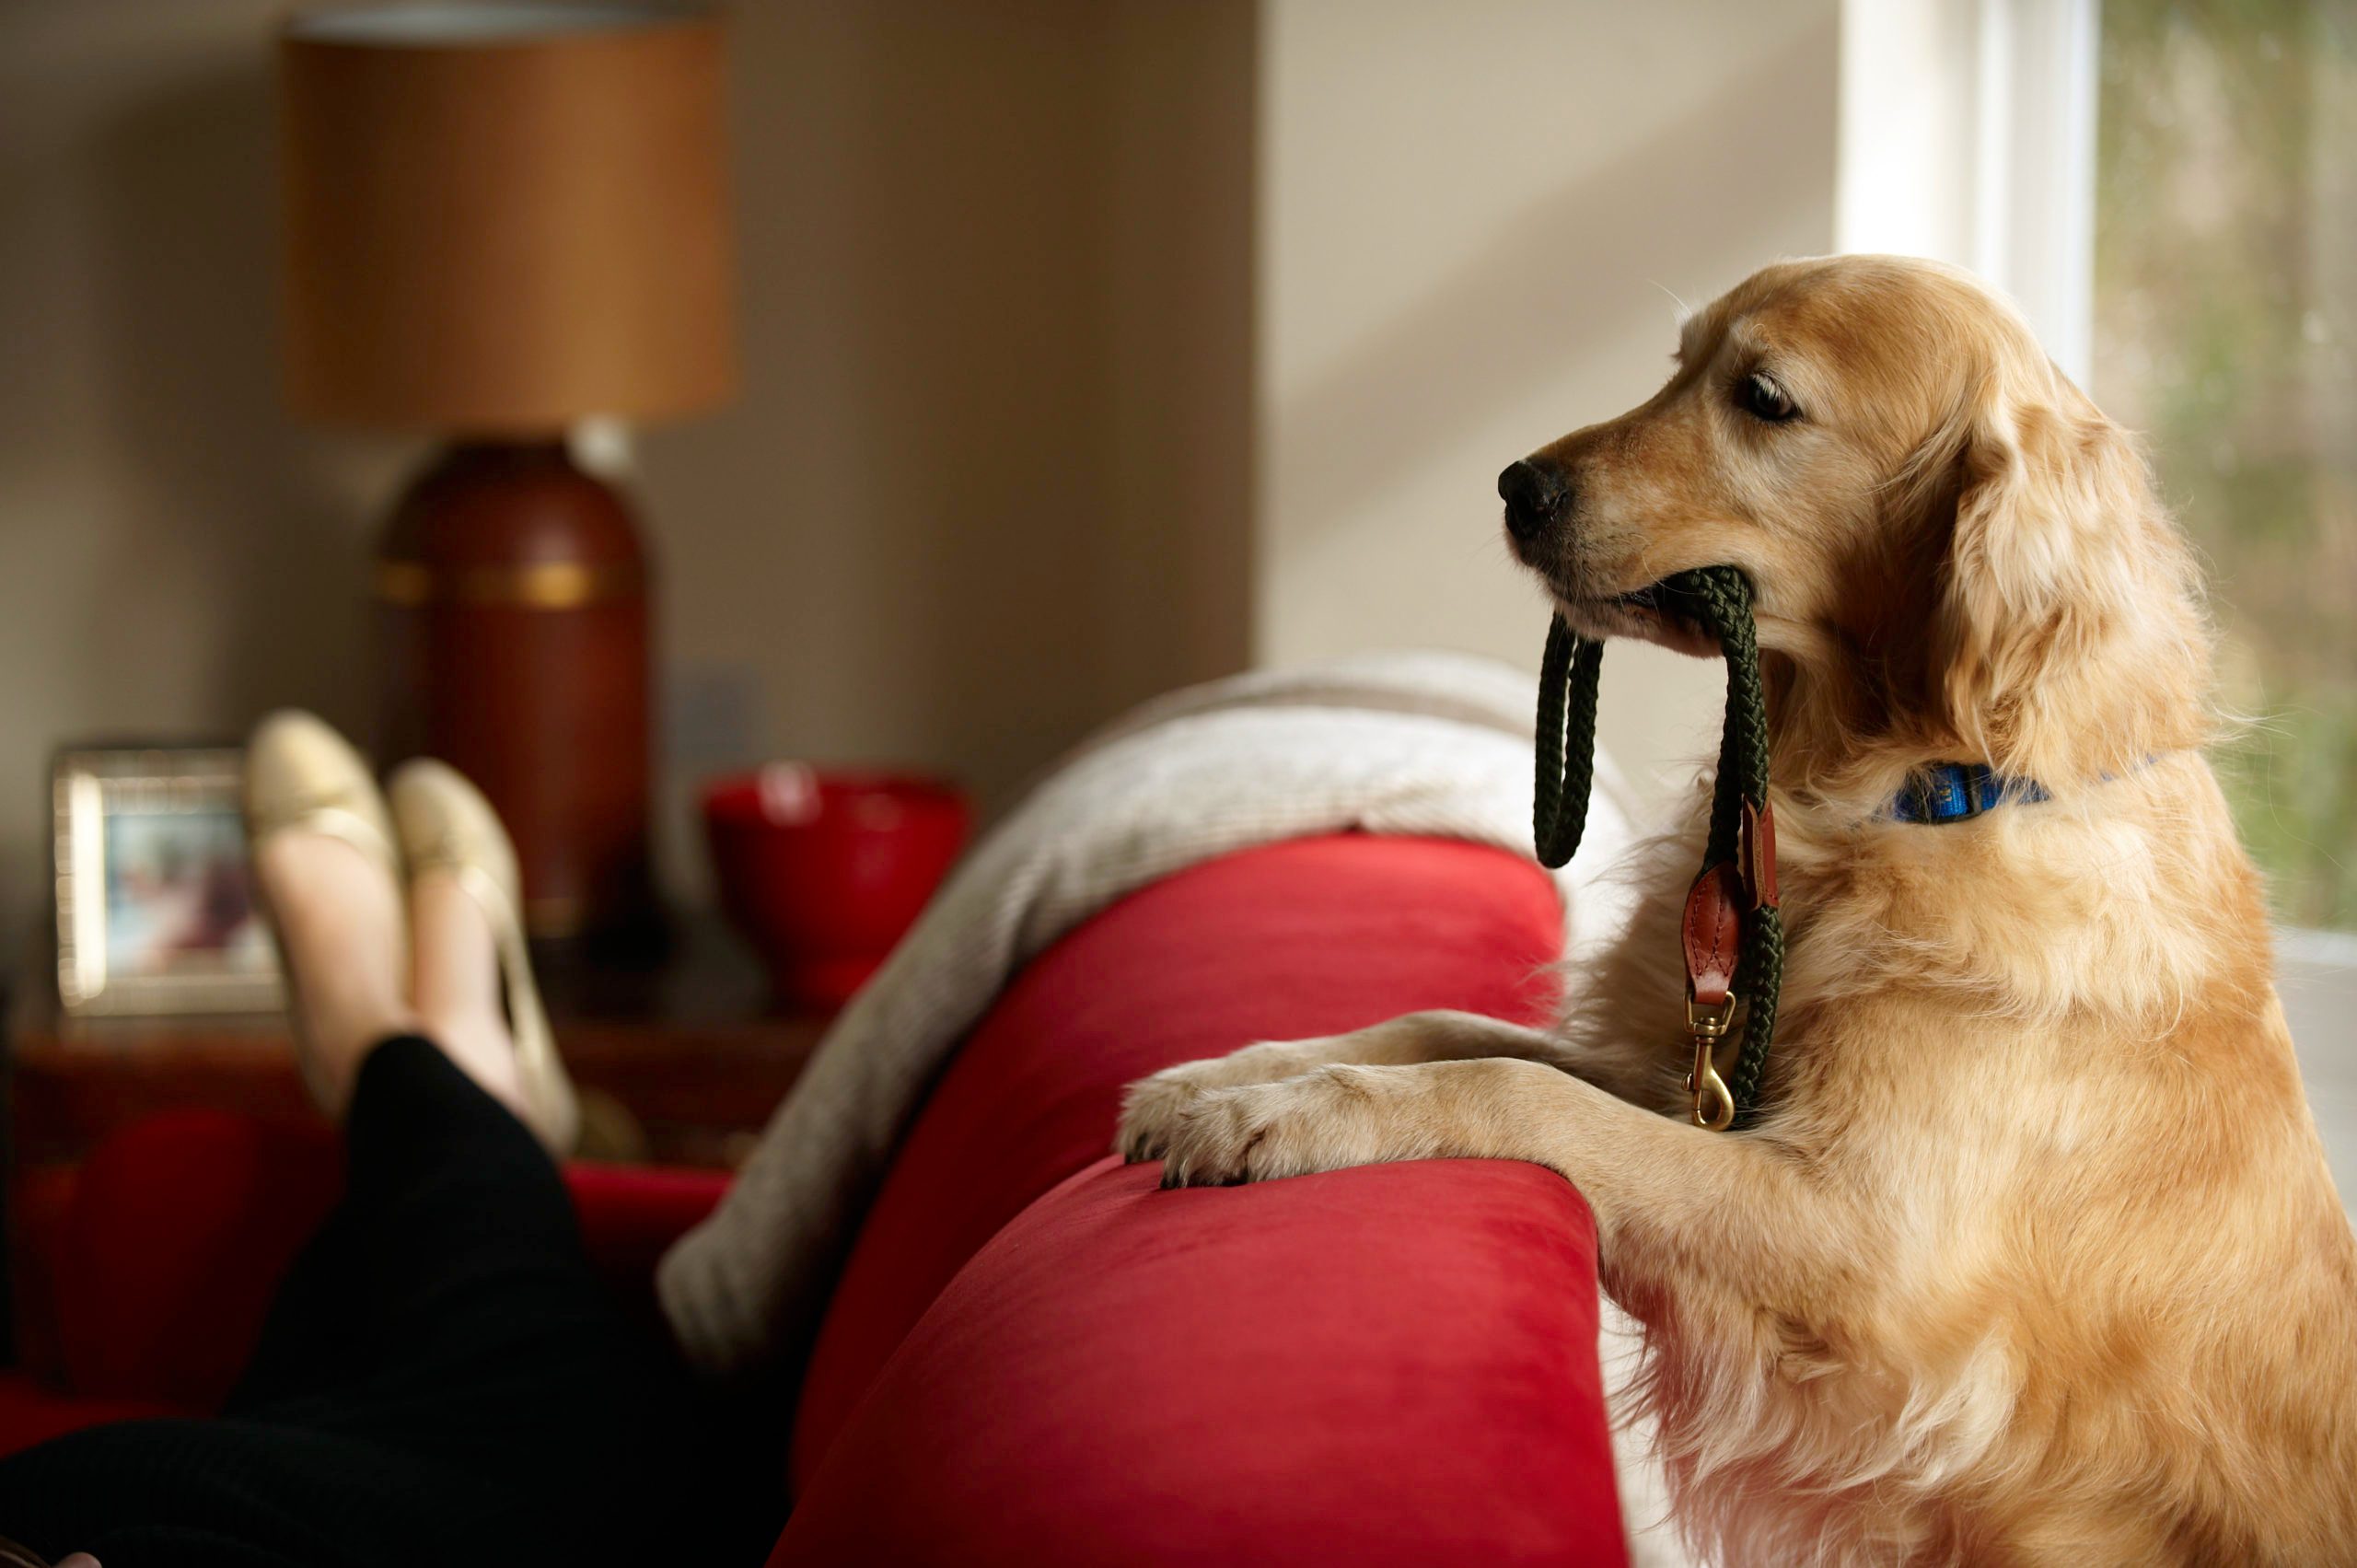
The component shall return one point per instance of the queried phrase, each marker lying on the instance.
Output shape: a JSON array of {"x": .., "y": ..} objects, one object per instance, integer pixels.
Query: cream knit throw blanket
[{"x": 1434, "y": 745}]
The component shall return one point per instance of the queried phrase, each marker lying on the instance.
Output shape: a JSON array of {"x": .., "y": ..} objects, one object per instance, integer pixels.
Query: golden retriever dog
[{"x": 2032, "y": 1256}]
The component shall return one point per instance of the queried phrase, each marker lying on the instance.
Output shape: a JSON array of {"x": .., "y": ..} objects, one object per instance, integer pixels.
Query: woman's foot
[
  {"x": 339, "y": 924},
  {"x": 454, "y": 970},
  {"x": 324, "y": 868},
  {"x": 473, "y": 974}
]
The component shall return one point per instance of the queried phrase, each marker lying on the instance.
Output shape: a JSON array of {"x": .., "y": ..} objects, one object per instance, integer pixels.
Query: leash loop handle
[
  {"x": 1567, "y": 691},
  {"x": 1742, "y": 828}
]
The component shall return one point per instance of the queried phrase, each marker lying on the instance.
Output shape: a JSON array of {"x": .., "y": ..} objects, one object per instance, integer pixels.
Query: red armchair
[{"x": 1035, "y": 1357}]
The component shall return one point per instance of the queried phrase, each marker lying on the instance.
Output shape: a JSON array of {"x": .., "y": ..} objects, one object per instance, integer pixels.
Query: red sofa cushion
[
  {"x": 146, "y": 1272},
  {"x": 1389, "y": 1365},
  {"x": 176, "y": 1233},
  {"x": 1307, "y": 938},
  {"x": 1393, "y": 1366}
]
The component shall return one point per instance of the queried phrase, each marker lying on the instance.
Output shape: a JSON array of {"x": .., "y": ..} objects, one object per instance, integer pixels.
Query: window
[{"x": 2225, "y": 330}]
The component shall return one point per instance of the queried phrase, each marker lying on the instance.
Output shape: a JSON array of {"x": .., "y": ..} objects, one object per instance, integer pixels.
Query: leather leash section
[
  {"x": 1732, "y": 933},
  {"x": 1712, "y": 936},
  {"x": 1759, "y": 853}
]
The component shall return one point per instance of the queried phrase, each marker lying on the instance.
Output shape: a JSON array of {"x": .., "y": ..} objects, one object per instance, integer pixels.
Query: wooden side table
[{"x": 678, "y": 1065}]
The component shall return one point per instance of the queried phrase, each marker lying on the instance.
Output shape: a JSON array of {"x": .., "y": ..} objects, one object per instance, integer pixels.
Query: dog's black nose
[{"x": 1534, "y": 496}]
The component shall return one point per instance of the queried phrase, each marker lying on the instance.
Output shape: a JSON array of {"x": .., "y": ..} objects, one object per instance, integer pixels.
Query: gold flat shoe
[
  {"x": 301, "y": 776},
  {"x": 447, "y": 825}
]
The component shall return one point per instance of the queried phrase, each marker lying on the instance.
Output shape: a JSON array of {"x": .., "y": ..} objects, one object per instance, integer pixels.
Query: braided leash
[{"x": 1742, "y": 833}]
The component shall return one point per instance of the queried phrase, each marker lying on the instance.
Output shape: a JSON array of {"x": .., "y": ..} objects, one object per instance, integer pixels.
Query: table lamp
[{"x": 503, "y": 220}]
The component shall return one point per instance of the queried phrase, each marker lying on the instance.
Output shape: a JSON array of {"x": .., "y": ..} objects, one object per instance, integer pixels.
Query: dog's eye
[{"x": 1760, "y": 397}]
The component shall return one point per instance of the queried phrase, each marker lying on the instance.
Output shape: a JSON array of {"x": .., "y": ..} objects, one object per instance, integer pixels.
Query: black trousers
[{"x": 441, "y": 1379}]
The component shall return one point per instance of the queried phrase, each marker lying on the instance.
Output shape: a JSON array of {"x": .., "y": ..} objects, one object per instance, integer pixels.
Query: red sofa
[{"x": 1035, "y": 1356}]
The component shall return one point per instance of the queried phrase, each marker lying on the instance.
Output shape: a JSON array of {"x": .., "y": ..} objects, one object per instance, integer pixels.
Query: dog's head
[{"x": 1955, "y": 554}]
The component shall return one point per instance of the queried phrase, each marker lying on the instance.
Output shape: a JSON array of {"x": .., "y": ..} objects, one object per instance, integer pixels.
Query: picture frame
[{"x": 156, "y": 912}]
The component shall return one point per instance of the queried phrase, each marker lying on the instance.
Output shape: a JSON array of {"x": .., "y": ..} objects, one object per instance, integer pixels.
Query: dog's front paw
[
  {"x": 1153, "y": 1107},
  {"x": 1324, "y": 1120}
]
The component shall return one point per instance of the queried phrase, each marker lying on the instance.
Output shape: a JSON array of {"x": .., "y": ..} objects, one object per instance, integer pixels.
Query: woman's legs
[
  {"x": 453, "y": 1259},
  {"x": 447, "y": 1312},
  {"x": 449, "y": 1199},
  {"x": 442, "y": 1376}
]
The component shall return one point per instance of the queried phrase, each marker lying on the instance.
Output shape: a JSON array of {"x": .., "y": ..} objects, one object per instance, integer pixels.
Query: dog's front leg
[
  {"x": 1668, "y": 1198},
  {"x": 1153, "y": 1106}
]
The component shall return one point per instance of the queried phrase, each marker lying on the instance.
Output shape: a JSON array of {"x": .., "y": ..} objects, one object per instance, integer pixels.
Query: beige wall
[
  {"x": 986, "y": 484},
  {"x": 1473, "y": 219},
  {"x": 1033, "y": 289},
  {"x": 173, "y": 553},
  {"x": 996, "y": 330}
]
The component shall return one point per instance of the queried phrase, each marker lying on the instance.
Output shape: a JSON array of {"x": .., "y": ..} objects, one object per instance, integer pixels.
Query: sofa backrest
[{"x": 1037, "y": 1357}]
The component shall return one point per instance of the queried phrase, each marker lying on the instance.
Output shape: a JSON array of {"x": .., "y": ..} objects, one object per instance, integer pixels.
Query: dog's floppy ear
[{"x": 2066, "y": 643}]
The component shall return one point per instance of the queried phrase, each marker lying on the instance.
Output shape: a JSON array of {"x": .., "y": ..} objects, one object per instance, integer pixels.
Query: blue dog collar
[{"x": 1958, "y": 791}]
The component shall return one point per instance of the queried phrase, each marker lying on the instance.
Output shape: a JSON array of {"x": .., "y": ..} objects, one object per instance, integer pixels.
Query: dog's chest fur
[{"x": 1976, "y": 1044}]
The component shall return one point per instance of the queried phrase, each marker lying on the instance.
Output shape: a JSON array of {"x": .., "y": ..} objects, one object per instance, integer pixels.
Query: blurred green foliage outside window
[{"x": 2226, "y": 332}]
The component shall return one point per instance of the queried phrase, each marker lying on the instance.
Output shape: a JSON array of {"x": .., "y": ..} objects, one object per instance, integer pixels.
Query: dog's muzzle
[{"x": 1536, "y": 495}]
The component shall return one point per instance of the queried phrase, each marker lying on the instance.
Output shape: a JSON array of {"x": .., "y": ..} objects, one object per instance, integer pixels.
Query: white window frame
[{"x": 1967, "y": 135}]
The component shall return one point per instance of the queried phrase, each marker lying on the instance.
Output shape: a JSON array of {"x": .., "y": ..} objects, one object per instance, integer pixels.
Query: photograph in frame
[{"x": 155, "y": 911}]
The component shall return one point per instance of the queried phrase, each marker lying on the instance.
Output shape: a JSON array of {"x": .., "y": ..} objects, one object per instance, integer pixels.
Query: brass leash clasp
[{"x": 1713, "y": 1106}]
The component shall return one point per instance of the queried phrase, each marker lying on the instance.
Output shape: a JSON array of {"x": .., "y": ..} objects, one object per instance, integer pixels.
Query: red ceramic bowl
[{"x": 825, "y": 870}]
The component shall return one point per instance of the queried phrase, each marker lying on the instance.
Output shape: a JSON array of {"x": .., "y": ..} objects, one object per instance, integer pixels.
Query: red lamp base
[{"x": 512, "y": 596}]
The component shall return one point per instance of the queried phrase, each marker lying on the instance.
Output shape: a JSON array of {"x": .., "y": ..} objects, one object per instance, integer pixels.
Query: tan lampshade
[{"x": 501, "y": 218}]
